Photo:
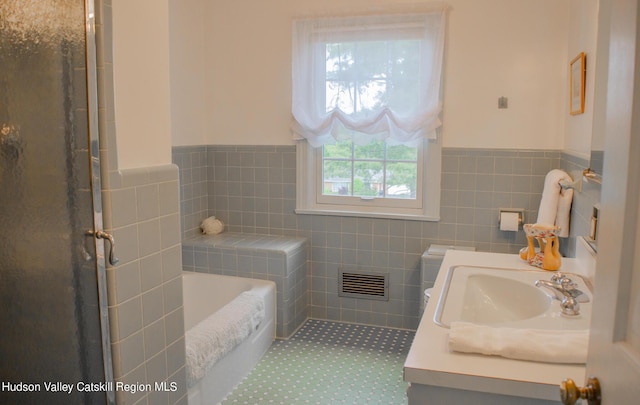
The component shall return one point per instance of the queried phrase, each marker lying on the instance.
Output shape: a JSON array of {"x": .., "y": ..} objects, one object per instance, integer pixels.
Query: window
[
  {"x": 366, "y": 98},
  {"x": 352, "y": 172}
]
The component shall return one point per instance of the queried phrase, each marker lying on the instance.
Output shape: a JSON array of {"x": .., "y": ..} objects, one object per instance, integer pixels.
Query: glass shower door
[{"x": 51, "y": 337}]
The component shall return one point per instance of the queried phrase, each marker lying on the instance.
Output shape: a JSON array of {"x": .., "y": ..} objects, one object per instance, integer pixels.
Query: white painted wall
[
  {"x": 600, "y": 75},
  {"x": 141, "y": 82},
  {"x": 248, "y": 50},
  {"x": 583, "y": 31},
  {"x": 192, "y": 72},
  {"x": 511, "y": 48},
  {"x": 187, "y": 19},
  {"x": 515, "y": 49}
]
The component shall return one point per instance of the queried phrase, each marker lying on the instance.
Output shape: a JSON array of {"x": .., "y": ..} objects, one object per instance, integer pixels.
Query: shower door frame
[{"x": 96, "y": 192}]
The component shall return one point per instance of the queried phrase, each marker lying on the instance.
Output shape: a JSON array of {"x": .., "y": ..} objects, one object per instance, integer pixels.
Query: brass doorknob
[{"x": 570, "y": 393}]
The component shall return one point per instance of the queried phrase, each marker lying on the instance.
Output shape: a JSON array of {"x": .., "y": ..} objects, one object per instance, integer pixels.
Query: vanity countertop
[{"x": 430, "y": 362}]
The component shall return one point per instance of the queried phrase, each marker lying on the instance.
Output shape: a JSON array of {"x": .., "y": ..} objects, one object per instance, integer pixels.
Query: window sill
[{"x": 345, "y": 213}]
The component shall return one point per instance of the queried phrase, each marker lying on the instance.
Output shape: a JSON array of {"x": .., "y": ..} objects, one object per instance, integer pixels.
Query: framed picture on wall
[{"x": 577, "y": 73}]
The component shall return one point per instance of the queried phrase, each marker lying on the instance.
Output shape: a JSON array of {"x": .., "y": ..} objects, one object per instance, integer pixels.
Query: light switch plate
[{"x": 503, "y": 102}]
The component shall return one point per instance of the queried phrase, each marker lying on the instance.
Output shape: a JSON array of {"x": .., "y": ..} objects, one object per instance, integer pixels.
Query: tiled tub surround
[
  {"x": 281, "y": 259},
  {"x": 253, "y": 189},
  {"x": 145, "y": 288},
  {"x": 194, "y": 187}
]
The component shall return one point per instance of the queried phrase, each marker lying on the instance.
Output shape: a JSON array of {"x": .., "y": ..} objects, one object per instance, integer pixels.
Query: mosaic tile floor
[{"x": 330, "y": 363}]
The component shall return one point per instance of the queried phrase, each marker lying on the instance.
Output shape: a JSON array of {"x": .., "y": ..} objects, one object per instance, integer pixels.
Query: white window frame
[
  {"x": 309, "y": 198},
  {"x": 309, "y": 179}
]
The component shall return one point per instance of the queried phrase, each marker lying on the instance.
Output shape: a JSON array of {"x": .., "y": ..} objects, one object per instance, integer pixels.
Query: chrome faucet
[
  {"x": 565, "y": 291},
  {"x": 569, "y": 286}
]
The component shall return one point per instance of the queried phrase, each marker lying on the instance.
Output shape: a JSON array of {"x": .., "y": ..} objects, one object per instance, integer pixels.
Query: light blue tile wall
[
  {"x": 253, "y": 188},
  {"x": 145, "y": 287},
  {"x": 583, "y": 202},
  {"x": 194, "y": 198},
  {"x": 281, "y": 259},
  {"x": 141, "y": 209}
]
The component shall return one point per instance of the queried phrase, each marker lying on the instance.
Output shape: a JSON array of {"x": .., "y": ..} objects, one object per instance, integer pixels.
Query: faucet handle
[
  {"x": 567, "y": 284},
  {"x": 572, "y": 289},
  {"x": 570, "y": 306}
]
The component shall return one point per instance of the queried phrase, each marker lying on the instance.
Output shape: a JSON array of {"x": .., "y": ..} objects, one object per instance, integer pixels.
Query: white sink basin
[
  {"x": 491, "y": 299},
  {"x": 505, "y": 297}
]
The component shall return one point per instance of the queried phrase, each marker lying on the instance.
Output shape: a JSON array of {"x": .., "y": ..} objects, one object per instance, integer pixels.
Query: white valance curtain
[{"x": 395, "y": 98}]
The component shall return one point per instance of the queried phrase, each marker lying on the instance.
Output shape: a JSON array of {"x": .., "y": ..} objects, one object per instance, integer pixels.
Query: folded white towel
[
  {"x": 548, "y": 346},
  {"x": 555, "y": 204}
]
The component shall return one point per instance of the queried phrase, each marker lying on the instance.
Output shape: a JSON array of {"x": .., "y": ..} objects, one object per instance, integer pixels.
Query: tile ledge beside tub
[
  {"x": 281, "y": 259},
  {"x": 433, "y": 370}
]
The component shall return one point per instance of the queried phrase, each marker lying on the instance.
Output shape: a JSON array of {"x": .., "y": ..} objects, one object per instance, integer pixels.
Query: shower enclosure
[{"x": 53, "y": 320}]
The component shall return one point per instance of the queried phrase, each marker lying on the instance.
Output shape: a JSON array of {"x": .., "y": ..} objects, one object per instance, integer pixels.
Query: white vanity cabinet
[
  {"x": 437, "y": 375},
  {"x": 420, "y": 394}
]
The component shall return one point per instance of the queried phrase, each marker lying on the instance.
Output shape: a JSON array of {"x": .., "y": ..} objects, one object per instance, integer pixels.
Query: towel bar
[{"x": 570, "y": 184}]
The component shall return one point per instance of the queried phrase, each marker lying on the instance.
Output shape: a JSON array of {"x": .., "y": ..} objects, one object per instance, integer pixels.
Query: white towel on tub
[
  {"x": 547, "y": 346},
  {"x": 211, "y": 339},
  {"x": 555, "y": 204}
]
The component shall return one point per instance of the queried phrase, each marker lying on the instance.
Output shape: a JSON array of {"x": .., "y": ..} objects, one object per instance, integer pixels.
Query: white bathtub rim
[{"x": 231, "y": 369}]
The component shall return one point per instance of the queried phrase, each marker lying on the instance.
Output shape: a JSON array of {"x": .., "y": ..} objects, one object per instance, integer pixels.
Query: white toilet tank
[{"x": 430, "y": 265}]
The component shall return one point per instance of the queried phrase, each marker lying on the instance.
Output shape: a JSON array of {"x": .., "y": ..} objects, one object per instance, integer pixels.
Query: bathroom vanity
[{"x": 437, "y": 375}]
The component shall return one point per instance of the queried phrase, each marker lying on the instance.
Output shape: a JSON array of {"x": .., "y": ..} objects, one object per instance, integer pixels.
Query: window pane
[
  {"x": 371, "y": 95},
  {"x": 359, "y": 170},
  {"x": 372, "y": 58},
  {"x": 336, "y": 177},
  {"x": 403, "y": 95},
  {"x": 340, "y": 149},
  {"x": 365, "y": 76},
  {"x": 340, "y": 95},
  {"x": 401, "y": 152},
  {"x": 373, "y": 150},
  {"x": 368, "y": 179},
  {"x": 401, "y": 180},
  {"x": 405, "y": 59},
  {"x": 340, "y": 57}
]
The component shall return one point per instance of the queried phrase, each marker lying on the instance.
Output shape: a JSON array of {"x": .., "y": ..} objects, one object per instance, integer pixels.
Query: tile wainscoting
[
  {"x": 582, "y": 205},
  {"x": 145, "y": 287},
  {"x": 252, "y": 189}
]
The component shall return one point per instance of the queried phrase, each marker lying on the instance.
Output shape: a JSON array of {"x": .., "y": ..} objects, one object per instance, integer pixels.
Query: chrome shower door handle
[{"x": 113, "y": 260}]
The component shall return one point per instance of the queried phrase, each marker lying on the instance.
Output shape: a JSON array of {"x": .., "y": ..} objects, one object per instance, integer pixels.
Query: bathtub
[{"x": 204, "y": 294}]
